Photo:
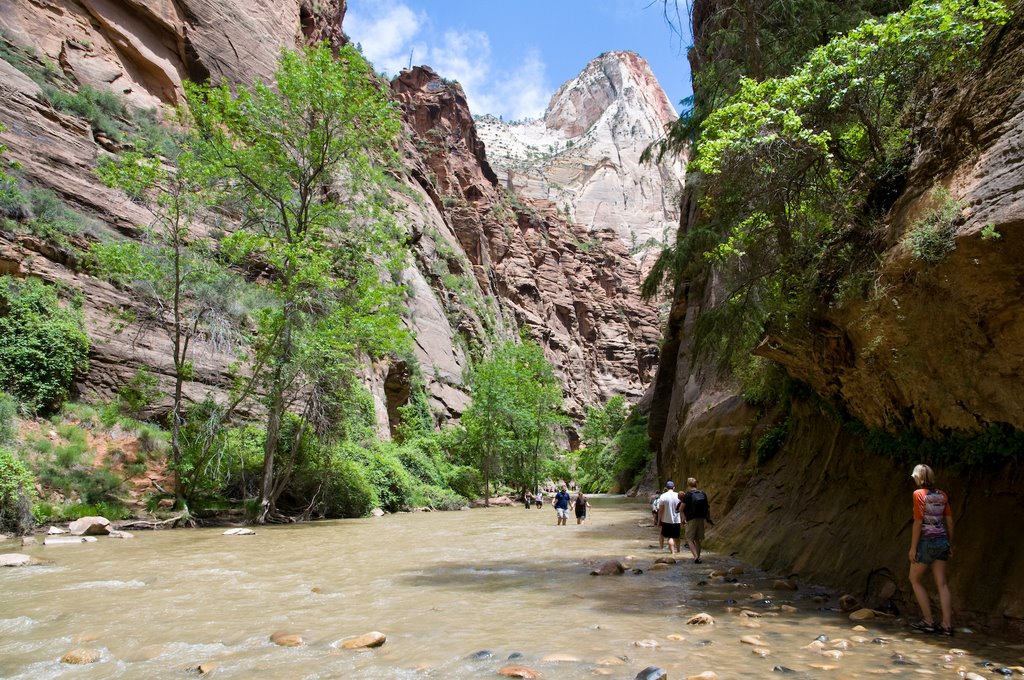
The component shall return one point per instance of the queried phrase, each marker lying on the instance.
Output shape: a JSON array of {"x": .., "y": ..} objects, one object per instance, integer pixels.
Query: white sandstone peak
[{"x": 584, "y": 154}]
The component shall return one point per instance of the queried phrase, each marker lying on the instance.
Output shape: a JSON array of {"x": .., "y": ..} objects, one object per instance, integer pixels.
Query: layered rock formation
[
  {"x": 485, "y": 263},
  {"x": 573, "y": 288},
  {"x": 584, "y": 154},
  {"x": 937, "y": 351}
]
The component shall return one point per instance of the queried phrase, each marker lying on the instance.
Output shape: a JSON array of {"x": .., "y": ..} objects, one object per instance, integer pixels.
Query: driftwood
[{"x": 169, "y": 523}]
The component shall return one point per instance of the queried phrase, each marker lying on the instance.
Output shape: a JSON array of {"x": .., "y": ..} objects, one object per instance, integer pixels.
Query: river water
[{"x": 457, "y": 594}]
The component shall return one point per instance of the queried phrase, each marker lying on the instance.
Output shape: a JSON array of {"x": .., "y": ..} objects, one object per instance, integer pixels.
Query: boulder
[
  {"x": 285, "y": 638},
  {"x": 365, "y": 641},
  {"x": 377, "y": 512},
  {"x": 518, "y": 672},
  {"x": 609, "y": 568},
  {"x": 240, "y": 531},
  {"x": 55, "y": 530},
  {"x": 90, "y": 526},
  {"x": 702, "y": 619},
  {"x": 205, "y": 668},
  {"x": 862, "y": 615},
  {"x": 849, "y": 603},
  {"x": 15, "y": 560},
  {"x": 81, "y": 655},
  {"x": 652, "y": 673},
  {"x": 784, "y": 584}
]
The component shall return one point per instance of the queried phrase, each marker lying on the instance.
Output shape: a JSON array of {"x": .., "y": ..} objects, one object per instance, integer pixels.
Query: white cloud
[
  {"x": 388, "y": 31},
  {"x": 386, "y": 34}
]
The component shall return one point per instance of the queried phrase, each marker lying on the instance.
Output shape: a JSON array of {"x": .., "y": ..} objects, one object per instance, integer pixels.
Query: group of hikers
[
  {"x": 672, "y": 512},
  {"x": 930, "y": 541},
  {"x": 563, "y": 502}
]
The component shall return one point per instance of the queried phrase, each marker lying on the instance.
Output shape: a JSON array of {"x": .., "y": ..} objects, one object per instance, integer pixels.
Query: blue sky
[{"x": 511, "y": 55}]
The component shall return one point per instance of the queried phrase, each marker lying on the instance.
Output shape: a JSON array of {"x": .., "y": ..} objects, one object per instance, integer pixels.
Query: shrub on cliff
[
  {"x": 8, "y": 409},
  {"x": 42, "y": 343},
  {"x": 17, "y": 490}
]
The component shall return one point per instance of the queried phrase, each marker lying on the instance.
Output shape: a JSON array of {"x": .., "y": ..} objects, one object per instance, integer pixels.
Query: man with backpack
[{"x": 693, "y": 505}]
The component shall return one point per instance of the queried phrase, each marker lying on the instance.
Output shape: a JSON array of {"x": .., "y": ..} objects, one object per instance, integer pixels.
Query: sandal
[
  {"x": 923, "y": 626},
  {"x": 948, "y": 632}
]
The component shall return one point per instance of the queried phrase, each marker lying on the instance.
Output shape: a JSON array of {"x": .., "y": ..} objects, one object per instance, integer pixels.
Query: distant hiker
[
  {"x": 654, "y": 508},
  {"x": 539, "y": 498},
  {"x": 528, "y": 500},
  {"x": 668, "y": 516},
  {"x": 561, "y": 502},
  {"x": 581, "y": 504},
  {"x": 696, "y": 512},
  {"x": 931, "y": 542}
]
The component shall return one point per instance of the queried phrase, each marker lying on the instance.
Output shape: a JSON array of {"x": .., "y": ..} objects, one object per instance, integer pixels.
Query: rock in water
[
  {"x": 90, "y": 526},
  {"x": 365, "y": 641},
  {"x": 652, "y": 673},
  {"x": 81, "y": 655},
  {"x": 240, "y": 531},
  {"x": 518, "y": 672},
  {"x": 609, "y": 568},
  {"x": 15, "y": 560},
  {"x": 284, "y": 638},
  {"x": 849, "y": 603},
  {"x": 702, "y": 619}
]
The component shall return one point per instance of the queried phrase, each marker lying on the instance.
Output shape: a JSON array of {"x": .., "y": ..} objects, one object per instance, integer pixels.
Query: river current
[{"x": 458, "y": 595}]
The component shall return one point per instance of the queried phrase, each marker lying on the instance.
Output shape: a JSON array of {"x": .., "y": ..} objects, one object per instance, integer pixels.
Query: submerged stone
[
  {"x": 80, "y": 656},
  {"x": 652, "y": 673},
  {"x": 519, "y": 672},
  {"x": 365, "y": 641}
]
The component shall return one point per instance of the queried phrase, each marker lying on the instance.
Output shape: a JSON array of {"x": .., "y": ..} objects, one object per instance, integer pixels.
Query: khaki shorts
[{"x": 695, "y": 530}]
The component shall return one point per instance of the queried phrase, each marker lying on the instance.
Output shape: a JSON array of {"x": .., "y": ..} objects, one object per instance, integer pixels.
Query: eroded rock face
[
  {"x": 939, "y": 350},
  {"x": 484, "y": 263},
  {"x": 573, "y": 288},
  {"x": 584, "y": 154}
]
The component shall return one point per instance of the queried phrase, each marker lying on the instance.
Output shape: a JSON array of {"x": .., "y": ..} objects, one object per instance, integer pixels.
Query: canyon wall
[
  {"x": 485, "y": 263},
  {"x": 936, "y": 350}
]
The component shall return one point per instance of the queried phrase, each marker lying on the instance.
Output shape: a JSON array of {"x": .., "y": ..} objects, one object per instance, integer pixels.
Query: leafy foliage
[
  {"x": 17, "y": 491},
  {"x": 302, "y": 162},
  {"x": 509, "y": 427},
  {"x": 797, "y": 168},
  {"x": 616, "y": 448},
  {"x": 42, "y": 344},
  {"x": 930, "y": 238},
  {"x": 8, "y": 410}
]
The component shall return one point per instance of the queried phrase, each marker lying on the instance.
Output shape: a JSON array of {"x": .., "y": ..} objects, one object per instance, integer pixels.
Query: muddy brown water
[{"x": 458, "y": 594}]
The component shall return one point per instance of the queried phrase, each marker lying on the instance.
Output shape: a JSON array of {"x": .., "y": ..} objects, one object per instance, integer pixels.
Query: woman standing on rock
[{"x": 931, "y": 542}]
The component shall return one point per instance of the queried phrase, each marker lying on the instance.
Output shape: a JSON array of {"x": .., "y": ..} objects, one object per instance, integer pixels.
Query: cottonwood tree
[
  {"x": 511, "y": 423},
  {"x": 301, "y": 162}
]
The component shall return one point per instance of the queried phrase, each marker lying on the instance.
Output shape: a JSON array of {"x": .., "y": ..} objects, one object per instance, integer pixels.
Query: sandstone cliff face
[
  {"x": 572, "y": 288},
  {"x": 938, "y": 349},
  {"x": 484, "y": 263},
  {"x": 584, "y": 154}
]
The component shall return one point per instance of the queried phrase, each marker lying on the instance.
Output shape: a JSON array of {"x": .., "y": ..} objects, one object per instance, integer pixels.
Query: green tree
[
  {"x": 302, "y": 163},
  {"x": 181, "y": 289},
  {"x": 601, "y": 424},
  {"x": 511, "y": 424},
  {"x": 42, "y": 343}
]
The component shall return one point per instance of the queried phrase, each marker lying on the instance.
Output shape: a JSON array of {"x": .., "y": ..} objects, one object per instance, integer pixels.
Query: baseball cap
[{"x": 670, "y": 485}]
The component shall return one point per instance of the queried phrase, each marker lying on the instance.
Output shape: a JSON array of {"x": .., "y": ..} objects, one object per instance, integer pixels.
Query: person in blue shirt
[{"x": 561, "y": 501}]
